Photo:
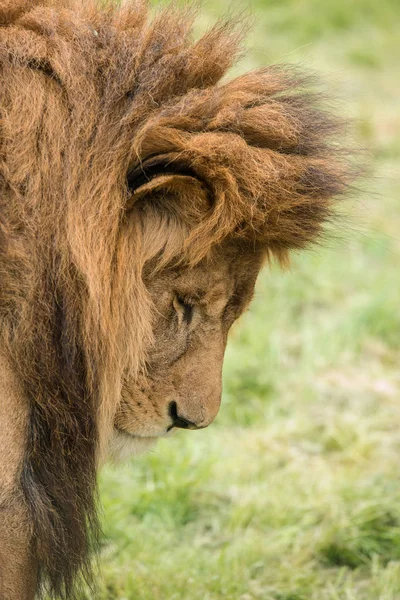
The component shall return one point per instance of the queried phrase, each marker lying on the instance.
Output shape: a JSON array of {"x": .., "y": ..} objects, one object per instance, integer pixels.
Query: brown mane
[{"x": 89, "y": 95}]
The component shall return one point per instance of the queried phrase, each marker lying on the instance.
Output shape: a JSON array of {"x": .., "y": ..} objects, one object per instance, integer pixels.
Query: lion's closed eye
[{"x": 184, "y": 309}]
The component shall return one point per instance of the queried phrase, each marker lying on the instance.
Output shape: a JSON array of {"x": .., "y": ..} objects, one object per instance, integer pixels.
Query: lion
[{"x": 141, "y": 194}]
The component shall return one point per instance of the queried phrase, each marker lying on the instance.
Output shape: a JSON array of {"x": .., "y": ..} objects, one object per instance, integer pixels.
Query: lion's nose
[{"x": 179, "y": 421}]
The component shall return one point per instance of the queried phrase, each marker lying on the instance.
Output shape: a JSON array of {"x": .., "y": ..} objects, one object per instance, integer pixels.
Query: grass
[{"x": 294, "y": 492}]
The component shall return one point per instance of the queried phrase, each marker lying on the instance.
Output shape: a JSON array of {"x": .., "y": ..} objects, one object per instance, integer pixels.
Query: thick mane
[{"x": 103, "y": 111}]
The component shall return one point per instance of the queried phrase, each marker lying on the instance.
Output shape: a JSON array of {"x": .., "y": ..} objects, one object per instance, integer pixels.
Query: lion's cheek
[{"x": 123, "y": 446}]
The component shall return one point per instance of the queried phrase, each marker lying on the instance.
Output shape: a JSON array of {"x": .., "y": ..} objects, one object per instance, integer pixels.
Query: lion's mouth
[{"x": 139, "y": 436}]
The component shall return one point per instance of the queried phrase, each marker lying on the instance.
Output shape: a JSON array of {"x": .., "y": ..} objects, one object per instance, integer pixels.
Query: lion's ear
[{"x": 164, "y": 172}]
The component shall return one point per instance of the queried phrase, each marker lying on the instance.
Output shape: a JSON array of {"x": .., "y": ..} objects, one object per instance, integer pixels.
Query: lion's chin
[{"x": 123, "y": 445}]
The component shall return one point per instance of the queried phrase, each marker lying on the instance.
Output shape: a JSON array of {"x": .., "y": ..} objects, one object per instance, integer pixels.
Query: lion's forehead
[{"x": 210, "y": 284}]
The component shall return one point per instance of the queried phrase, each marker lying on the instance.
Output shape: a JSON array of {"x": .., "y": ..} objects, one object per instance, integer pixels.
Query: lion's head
[
  {"x": 139, "y": 199},
  {"x": 193, "y": 310}
]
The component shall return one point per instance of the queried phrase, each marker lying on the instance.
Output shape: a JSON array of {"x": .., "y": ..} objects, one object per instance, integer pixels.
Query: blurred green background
[{"x": 294, "y": 492}]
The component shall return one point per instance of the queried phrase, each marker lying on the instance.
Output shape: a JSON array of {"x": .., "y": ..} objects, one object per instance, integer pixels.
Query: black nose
[{"x": 178, "y": 421}]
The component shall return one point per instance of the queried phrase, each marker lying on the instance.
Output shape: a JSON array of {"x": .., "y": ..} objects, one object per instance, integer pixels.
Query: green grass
[{"x": 294, "y": 492}]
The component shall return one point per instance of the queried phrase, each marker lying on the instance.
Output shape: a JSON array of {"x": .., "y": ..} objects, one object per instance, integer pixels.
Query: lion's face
[{"x": 181, "y": 386}]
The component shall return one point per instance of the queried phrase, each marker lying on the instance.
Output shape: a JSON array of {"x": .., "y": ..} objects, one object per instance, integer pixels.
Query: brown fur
[
  {"x": 123, "y": 158},
  {"x": 15, "y": 527}
]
